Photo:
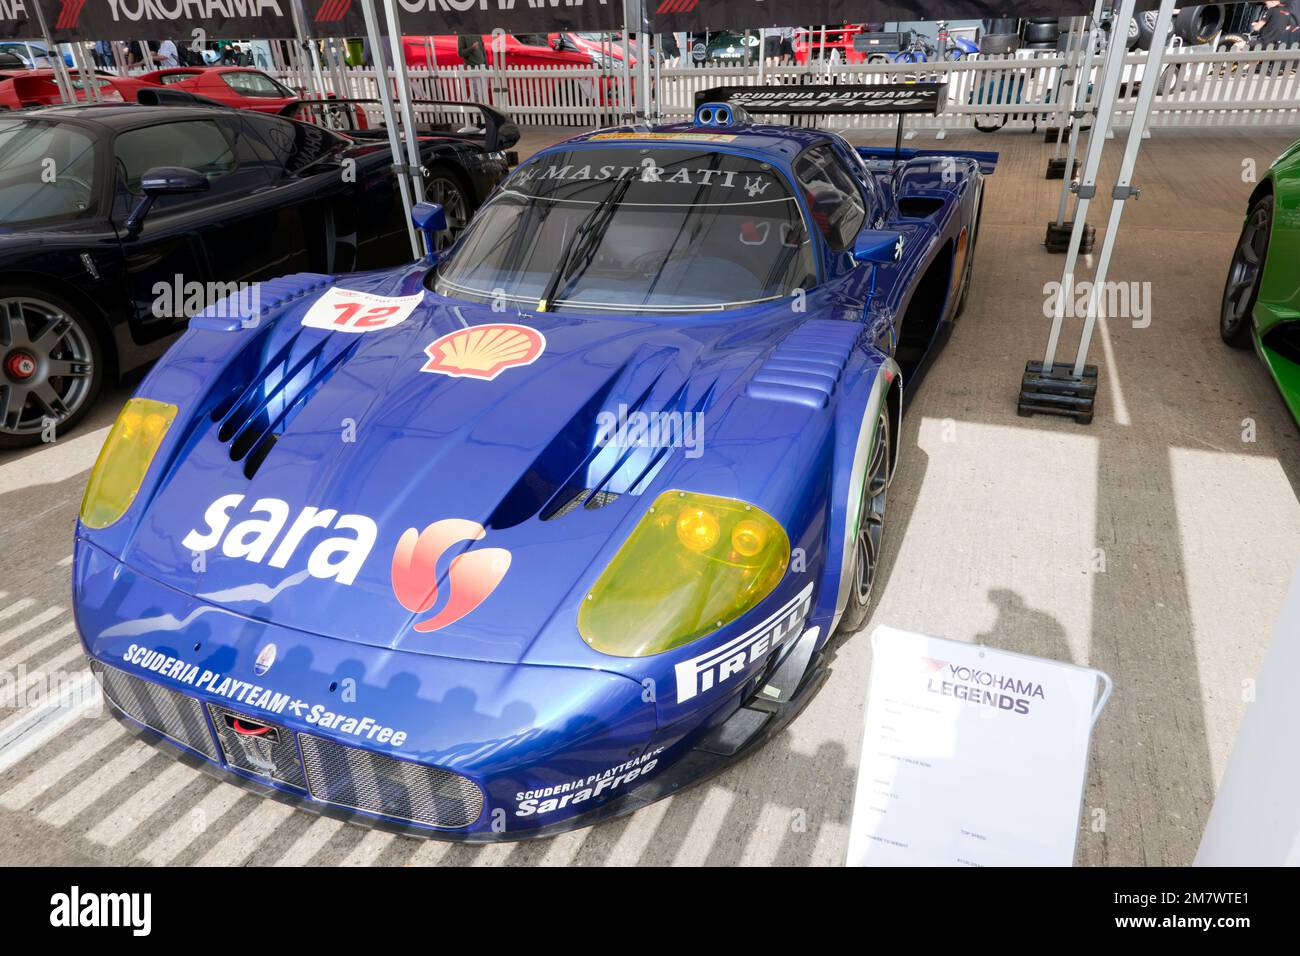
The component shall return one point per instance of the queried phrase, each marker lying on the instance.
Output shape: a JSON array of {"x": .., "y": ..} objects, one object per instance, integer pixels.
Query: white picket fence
[{"x": 1199, "y": 88}]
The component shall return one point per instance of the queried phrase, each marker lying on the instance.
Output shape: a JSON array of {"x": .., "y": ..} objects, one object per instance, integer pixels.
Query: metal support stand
[
  {"x": 1059, "y": 231},
  {"x": 1064, "y": 389},
  {"x": 61, "y": 78},
  {"x": 1067, "y": 94},
  {"x": 414, "y": 162},
  {"x": 390, "y": 117},
  {"x": 627, "y": 112}
]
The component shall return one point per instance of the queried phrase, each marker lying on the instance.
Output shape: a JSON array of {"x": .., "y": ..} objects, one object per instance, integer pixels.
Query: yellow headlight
[
  {"x": 691, "y": 565},
  {"x": 124, "y": 459},
  {"x": 697, "y": 528}
]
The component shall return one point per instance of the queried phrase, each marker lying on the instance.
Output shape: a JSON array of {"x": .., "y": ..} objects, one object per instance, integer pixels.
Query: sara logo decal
[
  {"x": 344, "y": 310},
  {"x": 472, "y": 576},
  {"x": 713, "y": 667},
  {"x": 265, "y": 658},
  {"x": 484, "y": 351},
  {"x": 268, "y": 536},
  {"x": 339, "y": 556}
]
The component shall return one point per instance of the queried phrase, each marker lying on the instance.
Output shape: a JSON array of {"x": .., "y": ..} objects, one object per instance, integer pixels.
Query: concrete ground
[{"x": 1155, "y": 544}]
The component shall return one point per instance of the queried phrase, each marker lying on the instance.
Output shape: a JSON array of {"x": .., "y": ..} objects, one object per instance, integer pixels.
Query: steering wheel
[{"x": 648, "y": 263}]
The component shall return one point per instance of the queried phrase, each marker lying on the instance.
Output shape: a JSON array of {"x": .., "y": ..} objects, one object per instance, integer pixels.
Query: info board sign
[{"x": 971, "y": 756}]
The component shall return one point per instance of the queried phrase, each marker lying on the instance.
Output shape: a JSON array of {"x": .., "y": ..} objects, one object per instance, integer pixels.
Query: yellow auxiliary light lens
[
  {"x": 748, "y": 538},
  {"x": 673, "y": 582},
  {"x": 124, "y": 459},
  {"x": 697, "y": 529}
]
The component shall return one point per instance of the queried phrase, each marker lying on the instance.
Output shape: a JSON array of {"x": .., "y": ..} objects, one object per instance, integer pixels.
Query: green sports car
[{"x": 1261, "y": 300}]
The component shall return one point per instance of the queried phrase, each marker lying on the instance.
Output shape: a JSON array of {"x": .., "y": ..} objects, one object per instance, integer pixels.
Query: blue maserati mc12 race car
[{"x": 552, "y": 524}]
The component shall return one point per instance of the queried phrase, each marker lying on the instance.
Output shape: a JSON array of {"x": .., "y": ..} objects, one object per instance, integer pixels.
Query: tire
[
  {"x": 970, "y": 259},
  {"x": 1200, "y": 25},
  {"x": 445, "y": 185},
  {"x": 41, "y": 334},
  {"x": 1242, "y": 287},
  {"x": 871, "y": 528},
  {"x": 1146, "y": 28},
  {"x": 1132, "y": 35},
  {"x": 1041, "y": 33}
]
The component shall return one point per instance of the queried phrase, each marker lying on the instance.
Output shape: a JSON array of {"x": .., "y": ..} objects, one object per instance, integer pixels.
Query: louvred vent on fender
[{"x": 252, "y": 420}]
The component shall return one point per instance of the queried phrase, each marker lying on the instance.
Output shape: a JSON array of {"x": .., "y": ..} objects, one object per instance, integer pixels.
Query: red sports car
[
  {"x": 22, "y": 88},
  {"x": 243, "y": 87}
]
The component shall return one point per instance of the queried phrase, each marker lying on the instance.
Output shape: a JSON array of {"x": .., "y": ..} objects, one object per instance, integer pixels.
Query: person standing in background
[
  {"x": 469, "y": 47},
  {"x": 1278, "y": 25},
  {"x": 167, "y": 56}
]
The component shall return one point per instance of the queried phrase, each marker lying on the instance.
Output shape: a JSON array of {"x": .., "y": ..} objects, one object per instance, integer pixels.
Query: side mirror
[
  {"x": 163, "y": 181},
  {"x": 878, "y": 245},
  {"x": 430, "y": 219}
]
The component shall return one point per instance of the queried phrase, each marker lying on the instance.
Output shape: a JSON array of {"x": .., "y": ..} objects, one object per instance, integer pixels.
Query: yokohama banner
[
  {"x": 175, "y": 20},
  {"x": 15, "y": 22},
  {"x": 674, "y": 15},
  {"x": 336, "y": 18}
]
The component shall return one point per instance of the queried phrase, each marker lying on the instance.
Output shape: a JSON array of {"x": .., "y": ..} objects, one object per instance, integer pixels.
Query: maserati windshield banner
[
  {"x": 871, "y": 98},
  {"x": 15, "y": 21},
  {"x": 673, "y": 15},
  {"x": 182, "y": 21}
]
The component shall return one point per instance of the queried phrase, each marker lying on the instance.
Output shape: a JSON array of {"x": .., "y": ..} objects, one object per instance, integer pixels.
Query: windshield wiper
[{"x": 582, "y": 250}]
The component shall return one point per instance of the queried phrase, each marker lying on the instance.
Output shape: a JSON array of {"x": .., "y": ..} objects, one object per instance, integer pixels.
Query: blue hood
[{"x": 301, "y": 418}]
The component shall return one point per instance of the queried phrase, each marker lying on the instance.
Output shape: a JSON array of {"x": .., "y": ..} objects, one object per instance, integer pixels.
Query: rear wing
[
  {"x": 498, "y": 130},
  {"x": 890, "y": 98},
  {"x": 988, "y": 161}
]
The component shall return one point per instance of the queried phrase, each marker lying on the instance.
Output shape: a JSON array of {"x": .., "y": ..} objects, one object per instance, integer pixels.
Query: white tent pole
[
  {"x": 1123, "y": 188},
  {"x": 56, "y": 58},
  {"x": 643, "y": 35},
  {"x": 1068, "y": 78},
  {"x": 628, "y": 111},
  {"x": 1114, "y": 65},
  {"x": 390, "y": 117},
  {"x": 414, "y": 165},
  {"x": 304, "y": 41},
  {"x": 1082, "y": 78}
]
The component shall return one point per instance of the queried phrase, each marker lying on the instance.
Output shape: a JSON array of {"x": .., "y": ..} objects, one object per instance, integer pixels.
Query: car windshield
[
  {"x": 47, "y": 171},
  {"x": 618, "y": 229}
]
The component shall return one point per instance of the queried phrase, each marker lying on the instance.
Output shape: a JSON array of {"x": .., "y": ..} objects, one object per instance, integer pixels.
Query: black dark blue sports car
[{"x": 117, "y": 222}]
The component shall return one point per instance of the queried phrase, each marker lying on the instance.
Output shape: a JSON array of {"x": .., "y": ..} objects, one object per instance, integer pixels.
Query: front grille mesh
[
  {"x": 278, "y": 760},
  {"x": 395, "y": 788},
  {"x": 165, "y": 711},
  {"x": 331, "y": 772}
]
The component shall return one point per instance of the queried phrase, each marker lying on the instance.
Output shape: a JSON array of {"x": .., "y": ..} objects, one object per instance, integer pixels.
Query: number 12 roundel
[{"x": 344, "y": 310}]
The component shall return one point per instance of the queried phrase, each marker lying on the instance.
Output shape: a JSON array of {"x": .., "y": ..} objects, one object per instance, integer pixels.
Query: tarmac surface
[{"x": 1156, "y": 544}]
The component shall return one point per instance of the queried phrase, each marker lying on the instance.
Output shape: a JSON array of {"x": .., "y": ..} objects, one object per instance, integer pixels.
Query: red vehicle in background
[
  {"x": 837, "y": 47},
  {"x": 242, "y": 87},
  {"x": 520, "y": 49},
  {"x": 22, "y": 88}
]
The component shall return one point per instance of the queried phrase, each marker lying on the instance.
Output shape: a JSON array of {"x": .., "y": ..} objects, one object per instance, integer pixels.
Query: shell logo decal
[
  {"x": 471, "y": 577},
  {"x": 484, "y": 351}
]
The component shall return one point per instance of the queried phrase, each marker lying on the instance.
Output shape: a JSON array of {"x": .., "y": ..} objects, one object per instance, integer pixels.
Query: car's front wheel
[
  {"x": 870, "y": 533},
  {"x": 51, "y": 366},
  {"x": 1242, "y": 287}
]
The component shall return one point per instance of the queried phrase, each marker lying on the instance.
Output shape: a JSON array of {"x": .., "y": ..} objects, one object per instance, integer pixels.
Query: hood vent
[
  {"x": 581, "y": 466},
  {"x": 252, "y": 421},
  {"x": 616, "y": 468},
  {"x": 806, "y": 368}
]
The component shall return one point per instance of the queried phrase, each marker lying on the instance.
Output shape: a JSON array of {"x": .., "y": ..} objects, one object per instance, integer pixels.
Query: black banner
[
  {"x": 16, "y": 22},
  {"x": 175, "y": 20},
  {"x": 872, "y": 98},
  {"x": 687, "y": 15},
  {"x": 340, "y": 18}
]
